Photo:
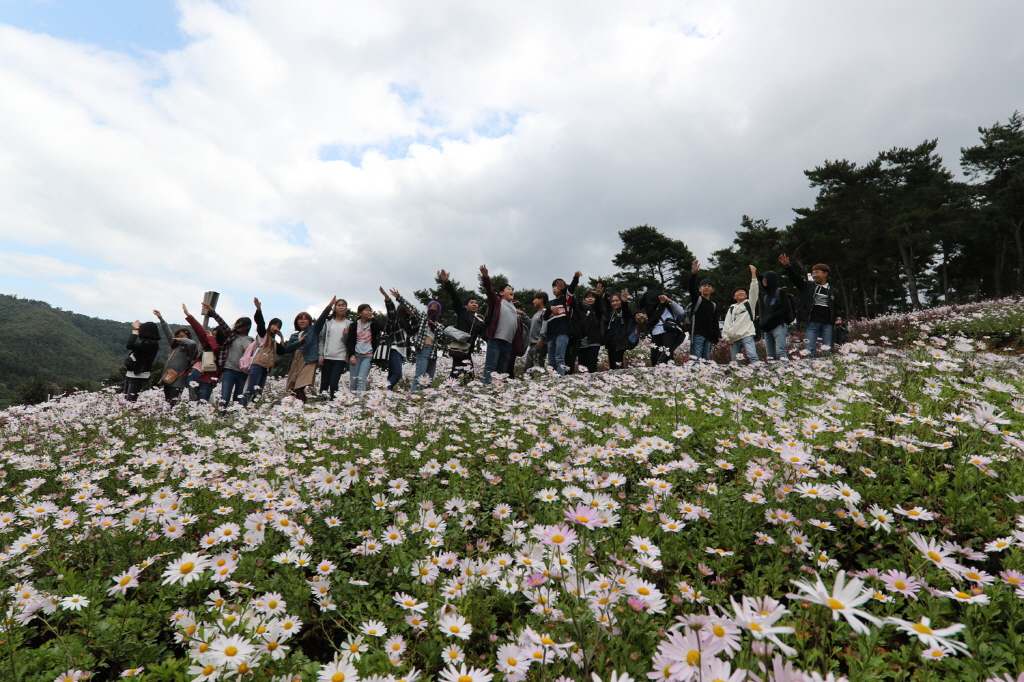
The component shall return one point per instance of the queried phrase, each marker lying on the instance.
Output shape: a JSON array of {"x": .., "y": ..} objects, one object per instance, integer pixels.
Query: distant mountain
[{"x": 37, "y": 339}]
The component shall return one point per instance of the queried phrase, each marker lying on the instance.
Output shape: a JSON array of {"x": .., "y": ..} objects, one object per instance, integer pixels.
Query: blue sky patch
[
  {"x": 497, "y": 124},
  {"x": 123, "y": 25}
]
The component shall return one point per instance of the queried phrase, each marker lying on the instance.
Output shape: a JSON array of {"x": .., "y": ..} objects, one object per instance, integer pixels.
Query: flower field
[{"x": 857, "y": 516}]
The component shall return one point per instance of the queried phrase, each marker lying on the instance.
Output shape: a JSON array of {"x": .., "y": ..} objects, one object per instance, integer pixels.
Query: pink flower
[{"x": 583, "y": 515}]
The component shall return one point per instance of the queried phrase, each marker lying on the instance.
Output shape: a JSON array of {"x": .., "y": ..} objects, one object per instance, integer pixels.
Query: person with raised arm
[
  {"x": 199, "y": 379},
  {"x": 426, "y": 339},
  {"x": 183, "y": 353},
  {"x": 556, "y": 314},
  {"x": 269, "y": 344},
  {"x": 233, "y": 342},
  {"x": 590, "y": 314},
  {"x": 706, "y": 332},
  {"x": 469, "y": 320},
  {"x": 305, "y": 344},
  {"x": 740, "y": 329},
  {"x": 363, "y": 338},
  {"x": 397, "y": 335},
  {"x": 333, "y": 353},
  {"x": 821, "y": 306},
  {"x": 502, "y": 328}
]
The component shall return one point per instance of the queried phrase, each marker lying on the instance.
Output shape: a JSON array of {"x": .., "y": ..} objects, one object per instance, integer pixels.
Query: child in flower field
[
  {"x": 821, "y": 306},
  {"x": 704, "y": 312},
  {"x": 203, "y": 380},
  {"x": 740, "y": 322}
]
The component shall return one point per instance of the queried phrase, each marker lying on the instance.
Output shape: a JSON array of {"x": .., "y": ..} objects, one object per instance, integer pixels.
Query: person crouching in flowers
[{"x": 305, "y": 343}]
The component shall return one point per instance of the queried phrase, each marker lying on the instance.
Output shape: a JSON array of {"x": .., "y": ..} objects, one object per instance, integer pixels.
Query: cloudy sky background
[{"x": 150, "y": 151}]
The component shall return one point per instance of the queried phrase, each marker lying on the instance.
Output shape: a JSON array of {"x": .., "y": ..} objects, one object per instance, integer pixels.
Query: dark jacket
[
  {"x": 806, "y": 296},
  {"x": 590, "y": 320},
  {"x": 376, "y": 329},
  {"x": 774, "y": 302},
  {"x": 704, "y": 312},
  {"x": 144, "y": 350},
  {"x": 616, "y": 328},
  {"x": 465, "y": 320},
  {"x": 183, "y": 354},
  {"x": 310, "y": 345}
]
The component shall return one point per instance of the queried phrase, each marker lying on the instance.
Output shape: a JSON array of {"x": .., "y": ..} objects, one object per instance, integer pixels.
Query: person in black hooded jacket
[
  {"x": 775, "y": 316},
  {"x": 143, "y": 345}
]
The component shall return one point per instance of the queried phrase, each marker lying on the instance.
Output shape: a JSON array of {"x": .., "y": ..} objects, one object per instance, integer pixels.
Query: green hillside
[{"x": 37, "y": 339}]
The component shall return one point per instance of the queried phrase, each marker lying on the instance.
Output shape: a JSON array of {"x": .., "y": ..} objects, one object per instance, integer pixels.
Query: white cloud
[{"x": 523, "y": 135}]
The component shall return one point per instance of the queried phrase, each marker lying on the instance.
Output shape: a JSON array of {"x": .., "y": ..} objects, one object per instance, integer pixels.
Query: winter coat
[
  {"x": 807, "y": 289},
  {"x": 774, "y": 303},
  {"x": 739, "y": 319}
]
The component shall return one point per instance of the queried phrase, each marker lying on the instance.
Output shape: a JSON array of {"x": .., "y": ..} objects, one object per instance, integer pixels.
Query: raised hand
[
  {"x": 256, "y": 302},
  {"x": 333, "y": 301},
  {"x": 184, "y": 309},
  {"x": 394, "y": 292},
  {"x": 578, "y": 273},
  {"x": 383, "y": 293},
  {"x": 599, "y": 289},
  {"x": 207, "y": 307},
  {"x": 695, "y": 267},
  {"x": 753, "y": 272},
  {"x": 158, "y": 315},
  {"x": 483, "y": 270},
  {"x": 783, "y": 260},
  {"x": 444, "y": 275},
  {"x": 624, "y": 295}
]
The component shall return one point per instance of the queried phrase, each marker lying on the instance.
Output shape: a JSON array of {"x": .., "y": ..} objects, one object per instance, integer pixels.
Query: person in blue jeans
[
  {"x": 775, "y": 316},
  {"x": 557, "y": 315},
  {"x": 503, "y": 330},
  {"x": 428, "y": 333},
  {"x": 269, "y": 344},
  {"x": 740, "y": 328},
  {"x": 363, "y": 338},
  {"x": 397, "y": 335},
  {"x": 706, "y": 332},
  {"x": 821, "y": 306},
  {"x": 234, "y": 341}
]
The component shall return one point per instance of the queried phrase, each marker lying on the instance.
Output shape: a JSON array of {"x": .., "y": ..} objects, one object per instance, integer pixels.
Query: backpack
[
  {"x": 758, "y": 332},
  {"x": 793, "y": 305},
  {"x": 678, "y": 324}
]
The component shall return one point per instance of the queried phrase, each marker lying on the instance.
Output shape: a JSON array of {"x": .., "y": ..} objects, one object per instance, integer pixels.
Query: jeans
[
  {"x": 588, "y": 357},
  {"x": 700, "y": 348},
  {"x": 424, "y": 365},
  {"x": 132, "y": 388},
  {"x": 358, "y": 374},
  {"x": 815, "y": 331},
  {"x": 747, "y": 346},
  {"x": 330, "y": 375},
  {"x": 498, "y": 353},
  {"x": 257, "y": 380},
  {"x": 556, "y": 352},
  {"x": 204, "y": 390},
  {"x": 775, "y": 342},
  {"x": 232, "y": 383},
  {"x": 395, "y": 361}
]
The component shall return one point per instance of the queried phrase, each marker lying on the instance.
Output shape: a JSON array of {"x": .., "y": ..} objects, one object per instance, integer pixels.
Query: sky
[{"x": 295, "y": 150}]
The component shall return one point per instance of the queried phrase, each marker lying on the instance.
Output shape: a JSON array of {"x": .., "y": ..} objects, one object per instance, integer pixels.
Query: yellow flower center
[
  {"x": 837, "y": 605},
  {"x": 186, "y": 568},
  {"x": 231, "y": 651},
  {"x": 558, "y": 539},
  {"x": 693, "y": 658},
  {"x": 922, "y": 628}
]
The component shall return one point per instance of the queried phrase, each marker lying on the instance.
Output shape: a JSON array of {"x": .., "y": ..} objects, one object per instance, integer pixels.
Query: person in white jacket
[{"x": 740, "y": 329}]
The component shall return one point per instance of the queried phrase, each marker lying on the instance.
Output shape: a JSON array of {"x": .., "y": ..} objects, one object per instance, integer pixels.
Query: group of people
[{"x": 567, "y": 330}]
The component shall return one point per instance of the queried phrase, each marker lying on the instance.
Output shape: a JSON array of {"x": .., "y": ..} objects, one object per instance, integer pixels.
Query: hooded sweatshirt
[
  {"x": 739, "y": 324},
  {"x": 774, "y": 302}
]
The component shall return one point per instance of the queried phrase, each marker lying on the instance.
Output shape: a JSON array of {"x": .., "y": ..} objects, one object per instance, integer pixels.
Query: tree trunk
[
  {"x": 1000, "y": 260},
  {"x": 1020, "y": 253},
  {"x": 908, "y": 270}
]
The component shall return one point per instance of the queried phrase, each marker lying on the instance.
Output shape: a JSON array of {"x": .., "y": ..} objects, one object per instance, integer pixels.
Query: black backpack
[{"x": 792, "y": 305}]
